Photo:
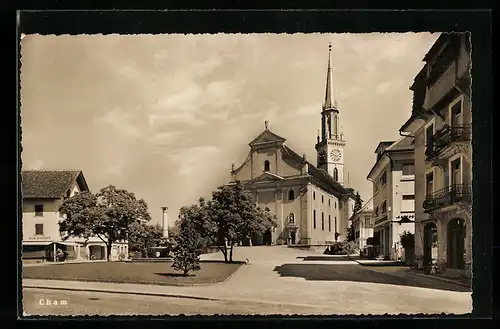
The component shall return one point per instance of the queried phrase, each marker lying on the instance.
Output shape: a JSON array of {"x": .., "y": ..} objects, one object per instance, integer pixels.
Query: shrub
[
  {"x": 188, "y": 249},
  {"x": 344, "y": 248},
  {"x": 407, "y": 240},
  {"x": 121, "y": 257}
]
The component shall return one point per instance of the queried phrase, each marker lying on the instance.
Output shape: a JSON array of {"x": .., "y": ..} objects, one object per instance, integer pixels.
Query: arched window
[
  {"x": 322, "y": 221},
  {"x": 314, "y": 219},
  {"x": 329, "y": 223},
  {"x": 314, "y": 195},
  {"x": 292, "y": 218},
  {"x": 335, "y": 174},
  {"x": 329, "y": 202},
  {"x": 267, "y": 165},
  {"x": 322, "y": 199},
  {"x": 291, "y": 195}
]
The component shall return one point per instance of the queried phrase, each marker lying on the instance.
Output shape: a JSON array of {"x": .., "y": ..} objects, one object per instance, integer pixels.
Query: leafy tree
[
  {"x": 189, "y": 240},
  {"x": 232, "y": 216},
  {"x": 107, "y": 215},
  {"x": 358, "y": 203},
  {"x": 141, "y": 237},
  {"x": 407, "y": 240}
]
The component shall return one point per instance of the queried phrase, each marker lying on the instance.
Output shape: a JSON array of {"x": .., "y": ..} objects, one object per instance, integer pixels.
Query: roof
[
  {"x": 48, "y": 184},
  {"x": 405, "y": 143},
  {"x": 382, "y": 144},
  {"x": 330, "y": 100},
  {"x": 443, "y": 37}
]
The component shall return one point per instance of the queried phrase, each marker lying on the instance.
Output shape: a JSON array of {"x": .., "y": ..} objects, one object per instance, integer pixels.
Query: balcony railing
[
  {"x": 448, "y": 196},
  {"x": 446, "y": 136}
]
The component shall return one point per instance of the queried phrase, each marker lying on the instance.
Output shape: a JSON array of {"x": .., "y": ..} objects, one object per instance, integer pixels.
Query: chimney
[{"x": 164, "y": 221}]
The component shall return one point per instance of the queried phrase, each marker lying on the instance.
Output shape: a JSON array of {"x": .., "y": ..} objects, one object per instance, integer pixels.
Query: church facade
[{"x": 310, "y": 202}]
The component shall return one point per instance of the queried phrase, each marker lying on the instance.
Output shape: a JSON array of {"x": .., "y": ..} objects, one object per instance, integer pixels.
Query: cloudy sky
[{"x": 164, "y": 116}]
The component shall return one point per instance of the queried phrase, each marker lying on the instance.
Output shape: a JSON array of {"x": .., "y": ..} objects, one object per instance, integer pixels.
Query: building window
[
  {"x": 322, "y": 221},
  {"x": 292, "y": 218},
  {"x": 376, "y": 211},
  {"x": 335, "y": 226},
  {"x": 266, "y": 165},
  {"x": 408, "y": 169},
  {"x": 38, "y": 229},
  {"x": 455, "y": 172},
  {"x": 39, "y": 210},
  {"x": 291, "y": 195},
  {"x": 322, "y": 199},
  {"x": 335, "y": 174},
  {"x": 384, "y": 207},
  {"x": 314, "y": 195},
  {"x": 335, "y": 203},
  {"x": 368, "y": 222},
  {"x": 409, "y": 197},
  {"x": 329, "y": 203},
  {"x": 456, "y": 113},
  {"x": 383, "y": 179},
  {"x": 314, "y": 219},
  {"x": 429, "y": 135},
  {"x": 429, "y": 183},
  {"x": 329, "y": 223},
  {"x": 68, "y": 193}
]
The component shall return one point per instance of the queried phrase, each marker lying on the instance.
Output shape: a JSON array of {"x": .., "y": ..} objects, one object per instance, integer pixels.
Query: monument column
[{"x": 164, "y": 220}]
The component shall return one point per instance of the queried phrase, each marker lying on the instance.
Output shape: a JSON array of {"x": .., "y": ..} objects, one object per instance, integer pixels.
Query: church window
[
  {"x": 291, "y": 195},
  {"x": 266, "y": 165},
  {"x": 292, "y": 218},
  {"x": 314, "y": 219},
  {"x": 314, "y": 195},
  {"x": 335, "y": 202},
  {"x": 329, "y": 204},
  {"x": 322, "y": 199},
  {"x": 335, "y": 174},
  {"x": 329, "y": 223},
  {"x": 322, "y": 221}
]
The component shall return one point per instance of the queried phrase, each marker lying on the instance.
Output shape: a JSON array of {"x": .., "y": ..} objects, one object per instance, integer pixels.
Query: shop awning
[{"x": 37, "y": 243}]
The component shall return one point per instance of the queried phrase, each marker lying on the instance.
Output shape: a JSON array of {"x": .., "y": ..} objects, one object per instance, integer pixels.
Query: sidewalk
[{"x": 459, "y": 281}]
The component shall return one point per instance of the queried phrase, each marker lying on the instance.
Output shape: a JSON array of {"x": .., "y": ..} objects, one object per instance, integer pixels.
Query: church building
[{"x": 310, "y": 202}]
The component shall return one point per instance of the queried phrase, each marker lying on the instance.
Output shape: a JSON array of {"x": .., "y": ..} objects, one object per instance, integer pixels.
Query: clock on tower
[{"x": 335, "y": 155}]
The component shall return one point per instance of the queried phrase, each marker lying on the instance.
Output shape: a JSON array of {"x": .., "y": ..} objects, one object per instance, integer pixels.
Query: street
[{"x": 278, "y": 280}]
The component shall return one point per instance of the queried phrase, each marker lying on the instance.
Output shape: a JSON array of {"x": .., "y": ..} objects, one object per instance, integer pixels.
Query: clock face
[{"x": 335, "y": 155}]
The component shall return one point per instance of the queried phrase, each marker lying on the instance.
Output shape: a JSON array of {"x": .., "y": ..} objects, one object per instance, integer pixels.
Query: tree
[
  {"x": 407, "y": 240},
  {"x": 350, "y": 248},
  {"x": 358, "y": 203},
  {"x": 231, "y": 216},
  {"x": 141, "y": 237},
  {"x": 107, "y": 215},
  {"x": 189, "y": 240}
]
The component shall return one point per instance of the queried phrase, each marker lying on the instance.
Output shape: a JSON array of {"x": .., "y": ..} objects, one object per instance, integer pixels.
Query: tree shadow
[
  {"x": 175, "y": 275},
  {"x": 356, "y": 273},
  {"x": 332, "y": 258}
]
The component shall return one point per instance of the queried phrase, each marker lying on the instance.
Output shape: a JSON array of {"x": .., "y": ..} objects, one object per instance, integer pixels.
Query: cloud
[
  {"x": 195, "y": 160},
  {"x": 120, "y": 121},
  {"x": 38, "y": 164},
  {"x": 308, "y": 109},
  {"x": 165, "y": 138},
  {"x": 116, "y": 170}
]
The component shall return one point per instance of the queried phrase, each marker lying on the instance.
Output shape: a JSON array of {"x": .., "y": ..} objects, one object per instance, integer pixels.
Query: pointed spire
[{"x": 330, "y": 100}]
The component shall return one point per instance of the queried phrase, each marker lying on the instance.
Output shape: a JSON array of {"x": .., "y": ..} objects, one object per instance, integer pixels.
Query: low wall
[{"x": 310, "y": 247}]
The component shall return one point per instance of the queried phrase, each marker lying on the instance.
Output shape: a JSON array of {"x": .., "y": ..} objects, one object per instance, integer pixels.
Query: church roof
[
  {"x": 50, "y": 184},
  {"x": 319, "y": 174}
]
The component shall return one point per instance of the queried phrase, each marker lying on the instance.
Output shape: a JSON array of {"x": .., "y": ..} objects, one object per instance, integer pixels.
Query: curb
[
  {"x": 441, "y": 279},
  {"x": 121, "y": 292}
]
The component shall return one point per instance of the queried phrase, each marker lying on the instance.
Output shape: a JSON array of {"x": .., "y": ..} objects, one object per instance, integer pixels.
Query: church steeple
[
  {"x": 330, "y": 100},
  {"x": 330, "y": 142}
]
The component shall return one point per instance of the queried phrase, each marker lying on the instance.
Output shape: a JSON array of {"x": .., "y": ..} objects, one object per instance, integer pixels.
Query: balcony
[
  {"x": 448, "y": 196},
  {"x": 441, "y": 86},
  {"x": 445, "y": 137}
]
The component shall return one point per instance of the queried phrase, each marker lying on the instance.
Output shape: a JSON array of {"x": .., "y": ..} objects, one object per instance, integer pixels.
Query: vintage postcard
[{"x": 310, "y": 174}]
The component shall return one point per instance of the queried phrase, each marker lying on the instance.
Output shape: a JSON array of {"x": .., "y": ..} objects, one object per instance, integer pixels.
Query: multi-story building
[
  {"x": 311, "y": 203},
  {"x": 393, "y": 194},
  {"x": 363, "y": 223},
  {"x": 44, "y": 191},
  {"x": 441, "y": 126}
]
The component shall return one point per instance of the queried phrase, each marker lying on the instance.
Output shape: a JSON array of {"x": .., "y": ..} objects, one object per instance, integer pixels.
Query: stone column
[{"x": 164, "y": 220}]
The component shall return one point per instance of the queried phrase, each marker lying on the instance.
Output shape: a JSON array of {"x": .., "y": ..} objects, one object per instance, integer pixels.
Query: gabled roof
[
  {"x": 383, "y": 145},
  {"x": 50, "y": 184},
  {"x": 403, "y": 144},
  {"x": 267, "y": 137},
  {"x": 267, "y": 177}
]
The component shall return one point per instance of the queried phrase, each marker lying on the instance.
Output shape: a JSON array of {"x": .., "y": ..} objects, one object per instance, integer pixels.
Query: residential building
[
  {"x": 311, "y": 203},
  {"x": 393, "y": 194},
  {"x": 44, "y": 191},
  {"x": 441, "y": 124},
  {"x": 363, "y": 223}
]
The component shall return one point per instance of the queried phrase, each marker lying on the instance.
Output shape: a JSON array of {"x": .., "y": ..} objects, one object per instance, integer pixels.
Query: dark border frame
[{"x": 304, "y": 21}]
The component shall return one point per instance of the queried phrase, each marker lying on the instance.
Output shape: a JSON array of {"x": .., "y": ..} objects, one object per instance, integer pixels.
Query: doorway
[
  {"x": 267, "y": 238},
  {"x": 456, "y": 243},
  {"x": 430, "y": 238},
  {"x": 292, "y": 237}
]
